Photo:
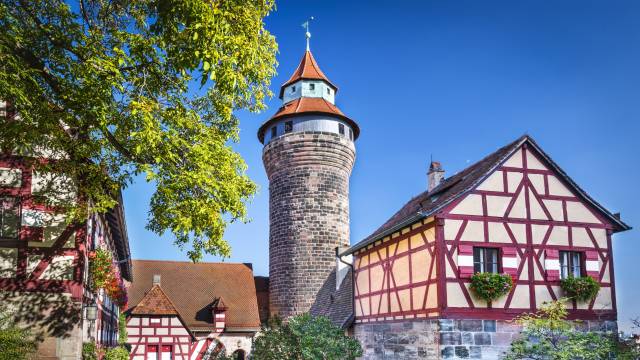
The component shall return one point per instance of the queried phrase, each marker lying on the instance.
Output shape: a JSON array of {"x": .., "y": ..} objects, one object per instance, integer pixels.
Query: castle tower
[{"x": 308, "y": 155}]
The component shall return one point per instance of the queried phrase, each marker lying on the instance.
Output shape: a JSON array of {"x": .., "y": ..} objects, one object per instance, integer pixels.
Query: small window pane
[
  {"x": 288, "y": 126},
  {"x": 341, "y": 129},
  {"x": 9, "y": 217},
  {"x": 312, "y": 86},
  {"x": 350, "y": 134},
  {"x": 274, "y": 131},
  {"x": 328, "y": 91},
  {"x": 485, "y": 260},
  {"x": 293, "y": 89},
  {"x": 570, "y": 264}
]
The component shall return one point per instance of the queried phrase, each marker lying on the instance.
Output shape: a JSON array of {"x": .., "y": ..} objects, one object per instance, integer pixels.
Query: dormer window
[
  {"x": 312, "y": 87},
  {"x": 288, "y": 126},
  {"x": 341, "y": 129},
  {"x": 274, "y": 132}
]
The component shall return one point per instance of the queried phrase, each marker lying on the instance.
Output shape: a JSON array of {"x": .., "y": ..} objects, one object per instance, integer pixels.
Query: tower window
[
  {"x": 485, "y": 260},
  {"x": 274, "y": 131},
  {"x": 570, "y": 264},
  {"x": 350, "y": 134},
  {"x": 341, "y": 129},
  {"x": 312, "y": 87},
  {"x": 288, "y": 126},
  {"x": 293, "y": 89},
  {"x": 328, "y": 91}
]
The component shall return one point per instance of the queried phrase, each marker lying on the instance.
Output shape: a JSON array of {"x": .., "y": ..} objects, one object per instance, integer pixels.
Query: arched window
[{"x": 239, "y": 355}]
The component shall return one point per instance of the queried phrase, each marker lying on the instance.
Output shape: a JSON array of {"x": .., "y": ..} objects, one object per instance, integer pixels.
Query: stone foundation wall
[{"x": 447, "y": 339}]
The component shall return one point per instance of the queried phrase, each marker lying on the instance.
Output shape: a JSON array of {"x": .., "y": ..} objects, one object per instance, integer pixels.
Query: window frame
[
  {"x": 341, "y": 129},
  {"x": 288, "y": 127},
  {"x": 481, "y": 252},
  {"x": 572, "y": 266},
  {"x": 18, "y": 208}
]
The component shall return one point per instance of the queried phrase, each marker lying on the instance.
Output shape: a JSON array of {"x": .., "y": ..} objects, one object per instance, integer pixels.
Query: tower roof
[{"x": 308, "y": 69}]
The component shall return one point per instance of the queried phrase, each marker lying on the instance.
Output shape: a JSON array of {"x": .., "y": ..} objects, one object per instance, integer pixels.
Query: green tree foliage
[
  {"x": 490, "y": 287},
  {"x": 304, "y": 337},
  {"x": 116, "y": 353},
  {"x": 115, "y": 89},
  {"x": 15, "y": 343},
  {"x": 547, "y": 335},
  {"x": 89, "y": 351},
  {"x": 122, "y": 330},
  {"x": 581, "y": 288}
]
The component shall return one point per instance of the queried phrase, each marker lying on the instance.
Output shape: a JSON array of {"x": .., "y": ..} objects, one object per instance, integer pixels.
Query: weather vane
[{"x": 307, "y": 34}]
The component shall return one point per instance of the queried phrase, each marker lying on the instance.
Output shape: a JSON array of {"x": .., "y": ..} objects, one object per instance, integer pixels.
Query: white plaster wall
[
  {"x": 323, "y": 123},
  {"x": 10, "y": 177},
  {"x": 303, "y": 88},
  {"x": 233, "y": 342}
]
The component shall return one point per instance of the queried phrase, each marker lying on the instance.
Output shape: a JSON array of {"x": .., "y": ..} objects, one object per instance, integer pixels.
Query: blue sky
[{"x": 457, "y": 80}]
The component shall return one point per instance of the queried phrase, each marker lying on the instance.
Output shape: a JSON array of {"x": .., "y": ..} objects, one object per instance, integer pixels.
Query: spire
[{"x": 307, "y": 34}]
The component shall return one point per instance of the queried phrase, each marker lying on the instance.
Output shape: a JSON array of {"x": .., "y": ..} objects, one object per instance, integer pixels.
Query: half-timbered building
[
  {"x": 44, "y": 282},
  {"x": 515, "y": 212},
  {"x": 186, "y": 311}
]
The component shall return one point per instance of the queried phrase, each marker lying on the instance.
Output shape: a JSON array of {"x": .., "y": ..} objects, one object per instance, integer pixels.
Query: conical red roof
[{"x": 309, "y": 70}]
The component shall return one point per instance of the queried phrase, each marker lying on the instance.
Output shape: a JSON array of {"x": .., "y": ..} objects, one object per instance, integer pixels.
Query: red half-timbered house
[
  {"x": 514, "y": 212},
  {"x": 187, "y": 311},
  {"x": 44, "y": 261}
]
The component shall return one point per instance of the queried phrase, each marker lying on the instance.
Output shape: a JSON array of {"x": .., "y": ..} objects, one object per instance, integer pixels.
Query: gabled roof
[
  {"x": 195, "y": 288},
  {"x": 308, "y": 105},
  {"x": 155, "y": 302},
  {"x": 429, "y": 202},
  {"x": 308, "y": 69}
]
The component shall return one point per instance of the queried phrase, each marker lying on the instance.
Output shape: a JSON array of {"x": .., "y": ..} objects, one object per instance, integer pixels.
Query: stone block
[
  {"x": 462, "y": 352},
  {"x": 467, "y": 338},
  {"x": 446, "y": 325},
  {"x": 448, "y": 352},
  {"x": 489, "y": 325},
  {"x": 502, "y": 339},
  {"x": 470, "y": 325},
  {"x": 482, "y": 338},
  {"x": 450, "y": 338},
  {"x": 475, "y": 352}
]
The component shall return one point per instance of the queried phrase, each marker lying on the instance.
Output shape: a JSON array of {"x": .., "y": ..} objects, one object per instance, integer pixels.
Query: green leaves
[
  {"x": 304, "y": 337},
  {"x": 104, "y": 84},
  {"x": 490, "y": 287},
  {"x": 581, "y": 289}
]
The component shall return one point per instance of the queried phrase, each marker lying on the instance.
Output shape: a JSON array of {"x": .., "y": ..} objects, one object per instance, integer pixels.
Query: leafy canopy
[
  {"x": 304, "y": 338},
  {"x": 547, "y": 335},
  {"x": 115, "y": 89}
]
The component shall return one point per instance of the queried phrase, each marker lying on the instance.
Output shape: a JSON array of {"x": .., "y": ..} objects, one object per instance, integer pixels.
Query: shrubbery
[
  {"x": 304, "y": 337},
  {"x": 116, "y": 353},
  {"x": 15, "y": 343},
  {"x": 89, "y": 351}
]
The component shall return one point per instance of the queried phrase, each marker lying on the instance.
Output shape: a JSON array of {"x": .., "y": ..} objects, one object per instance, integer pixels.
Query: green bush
[
  {"x": 116, "y": 353},
  {"x": 122, "y": 329},
  {"x": 89, "y": 351},
  {"x": 304, "y": 338},
  {"x": 15, "y": 343},
  {"x": 490, "y": 286},
  {"x": 581, "y": 288}
]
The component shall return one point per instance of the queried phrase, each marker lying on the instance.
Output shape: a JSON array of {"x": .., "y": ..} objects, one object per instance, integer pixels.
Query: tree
[
  {"x": 547, "y": 335},
  {"x": 115, "y": 89},
  {"x": 304, "y": 337}
]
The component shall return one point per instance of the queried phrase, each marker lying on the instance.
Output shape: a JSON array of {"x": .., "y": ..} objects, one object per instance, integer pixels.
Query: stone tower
[{"x": 308, "y": 155}]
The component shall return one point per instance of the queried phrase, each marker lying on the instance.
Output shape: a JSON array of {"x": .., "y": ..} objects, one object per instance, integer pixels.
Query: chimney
[
  {"x": 156, "y": 279},
  {"x": 435, "y": 175}
]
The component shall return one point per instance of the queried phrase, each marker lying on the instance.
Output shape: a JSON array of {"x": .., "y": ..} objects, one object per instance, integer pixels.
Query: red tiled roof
[
  {"x": 194, "y": 288},
  {"x": 308, "y": 105},
  {"x": 155, "y": 302},
  {"x": 307, "y": 69},
  {"x": 429, "y": 202}
]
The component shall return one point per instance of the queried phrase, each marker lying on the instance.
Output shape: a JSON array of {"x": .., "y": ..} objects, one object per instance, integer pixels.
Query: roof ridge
[{"x": 191, "y": 263}]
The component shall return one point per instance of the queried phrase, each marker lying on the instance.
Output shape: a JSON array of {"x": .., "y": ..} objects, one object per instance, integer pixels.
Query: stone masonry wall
[
  {"x": 308, "y": 212},
  {"x": 447, "y": 339}
]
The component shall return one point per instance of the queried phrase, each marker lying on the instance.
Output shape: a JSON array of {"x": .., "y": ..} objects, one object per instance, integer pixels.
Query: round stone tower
[{"x": 308, "y": 155}]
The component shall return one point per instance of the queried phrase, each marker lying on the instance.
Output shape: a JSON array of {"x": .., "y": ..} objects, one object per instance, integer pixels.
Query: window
[
  {"x": 485, "y": 260},
  {"x": 239, "y": 355},
  {"x": 9, "y": 217},
  {"x": 350, "y": 134},
  {"x": 341, "y": 129},
  {"x": 274, "y": 131},
  {"x": 288, "y": 126},
  {"x": 312, "y": 87},
  {"x": 570, "y": 264},
  {"x": 328, "y": 91},
  {"x": 293, "y": 89}
]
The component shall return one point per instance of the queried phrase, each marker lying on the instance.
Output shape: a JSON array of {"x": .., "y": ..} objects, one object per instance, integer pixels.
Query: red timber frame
[
  {"x": 529, "y": 252},
  {"x": 32, "y": 282},
  {"x": 418, "y": 306},
  {"x": 516, "y": 245}
]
